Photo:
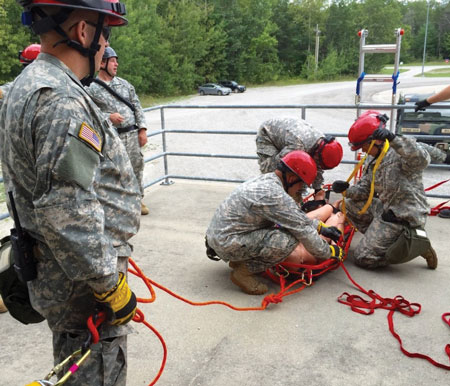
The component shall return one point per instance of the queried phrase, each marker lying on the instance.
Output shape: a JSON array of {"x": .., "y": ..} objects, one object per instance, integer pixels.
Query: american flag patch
[{"x": 89, "y": 135}]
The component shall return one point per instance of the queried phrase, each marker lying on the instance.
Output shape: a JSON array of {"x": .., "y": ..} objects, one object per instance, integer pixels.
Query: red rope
[{"x": 398, "y": 303}]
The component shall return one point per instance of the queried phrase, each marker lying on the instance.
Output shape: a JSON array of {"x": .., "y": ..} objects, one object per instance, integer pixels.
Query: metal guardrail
[{"x": 301, "y": 107}]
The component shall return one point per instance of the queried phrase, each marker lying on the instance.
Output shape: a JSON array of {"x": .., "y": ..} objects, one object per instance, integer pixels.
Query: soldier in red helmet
[
  {"x": 26, "y": 57},
  {"x": 393, "y": 225},
  {"x": 260, "y": 224},
  {"x": 29, "y": 54},
  {"x": 279, "y": 136}
]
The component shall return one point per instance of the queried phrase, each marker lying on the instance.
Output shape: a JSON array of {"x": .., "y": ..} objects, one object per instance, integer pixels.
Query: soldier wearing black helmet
[{"x": 64, "y": 164}]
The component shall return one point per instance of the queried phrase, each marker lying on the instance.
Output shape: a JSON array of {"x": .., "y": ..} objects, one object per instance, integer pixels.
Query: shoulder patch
[{"x": 89, "y": 135}]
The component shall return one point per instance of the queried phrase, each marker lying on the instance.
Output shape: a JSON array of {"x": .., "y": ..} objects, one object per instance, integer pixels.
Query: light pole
[{"x": 425, "y": 40}]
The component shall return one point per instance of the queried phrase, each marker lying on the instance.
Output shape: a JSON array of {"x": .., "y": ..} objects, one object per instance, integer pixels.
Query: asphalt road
[{"x": 248, "y": 119}]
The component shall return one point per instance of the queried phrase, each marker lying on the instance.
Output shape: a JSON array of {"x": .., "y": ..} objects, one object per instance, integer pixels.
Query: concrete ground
[{"x": 308, "y": 339}]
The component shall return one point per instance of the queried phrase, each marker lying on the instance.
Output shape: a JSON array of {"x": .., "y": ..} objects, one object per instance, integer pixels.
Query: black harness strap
[{"x": 112, "y": 92}]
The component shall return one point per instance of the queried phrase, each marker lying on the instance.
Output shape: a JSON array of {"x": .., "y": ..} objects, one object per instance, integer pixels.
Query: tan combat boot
[
  {"x": 431, "y": 258},
  {"x": 245, "y": 280},
  {"x": 144, "y": 209},
  {"x": 2, "y": 306}
]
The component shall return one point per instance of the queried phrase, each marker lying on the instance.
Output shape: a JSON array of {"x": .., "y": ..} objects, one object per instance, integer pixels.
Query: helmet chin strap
[
  {"x": 106, "y": 68},
  {"x": 49, "y": 22}
]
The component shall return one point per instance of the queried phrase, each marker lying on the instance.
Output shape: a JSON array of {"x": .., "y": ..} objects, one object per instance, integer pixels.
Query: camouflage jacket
[
  {"x": 73, "y": 185},
  {"x": 437, "y": 156},
  {"x": 279, "y": 136},
  {"x": 109, "y": 104},
  {"x": 4, "y": 91},
  {"x": 262, "y": 203},
  {"x": 398, "y": 181}
]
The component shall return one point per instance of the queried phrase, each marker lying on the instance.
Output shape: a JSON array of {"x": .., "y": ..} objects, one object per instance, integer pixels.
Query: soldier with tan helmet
[
  {"x": 73, "y": 185},
  {"x": 260, "y": 225}
]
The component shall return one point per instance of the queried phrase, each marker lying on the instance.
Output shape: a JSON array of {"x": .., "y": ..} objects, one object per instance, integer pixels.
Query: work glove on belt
[
  {"x": 332, "y": 233},
  {"x": 121, "y": 301}
]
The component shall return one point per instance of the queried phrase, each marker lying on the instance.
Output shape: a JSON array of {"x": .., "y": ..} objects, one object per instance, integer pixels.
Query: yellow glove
[
  {"x": 337, "y": 253},
  {"x": 121, "y": 300}
]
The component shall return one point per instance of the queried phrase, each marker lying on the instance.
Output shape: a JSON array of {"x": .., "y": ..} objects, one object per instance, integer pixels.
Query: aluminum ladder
[{"x": 378, "y": 49}]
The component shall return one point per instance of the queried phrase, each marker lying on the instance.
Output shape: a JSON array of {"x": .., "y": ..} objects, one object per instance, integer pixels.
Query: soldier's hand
[
  {"x": 337, "y": 253},
  {"x": 116, "y": 118},
  {"x": 339, "y": 186},
  {"x": 383, "y": 134},
  {"x": 421, "y": 105},
  {"x": 121, "y": 300},
  {"x": 332, "y": 233}
]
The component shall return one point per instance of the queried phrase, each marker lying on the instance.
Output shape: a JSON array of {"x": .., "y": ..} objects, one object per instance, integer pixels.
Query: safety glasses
[{"x": 106, "y": 31}]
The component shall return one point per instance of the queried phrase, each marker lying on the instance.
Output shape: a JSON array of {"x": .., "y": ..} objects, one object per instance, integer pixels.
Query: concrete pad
[{"x": 309, "y": 338}]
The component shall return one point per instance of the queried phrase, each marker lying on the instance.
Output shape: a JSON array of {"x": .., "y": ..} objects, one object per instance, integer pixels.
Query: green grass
[
  {"x": 151, "y": 100},
  {"x": 438, "y": 72},
  {"x": 2, "y": 192},
  {"x": 389, "y": 71}
]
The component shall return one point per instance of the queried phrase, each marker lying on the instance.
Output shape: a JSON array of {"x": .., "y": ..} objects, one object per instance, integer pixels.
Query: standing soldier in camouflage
[
  {"x": 260, "y": 225},
  {"x": 124, "y": 110},
  {"x": 73, "y": 184},
  {"x": 399, "y": 207},
  {"x": 277, "y": 137},
  {"x": 26, "y": 57}
]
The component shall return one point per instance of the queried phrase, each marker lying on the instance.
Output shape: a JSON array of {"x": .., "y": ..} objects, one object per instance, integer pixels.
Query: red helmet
[
  {"x": 30, "y": 53},
  {"x": 330, "y": 152},
  {"x": 362, "y": 129},
  {"x": 302, "y": 165},
  {"x": 113, "y": 9}
]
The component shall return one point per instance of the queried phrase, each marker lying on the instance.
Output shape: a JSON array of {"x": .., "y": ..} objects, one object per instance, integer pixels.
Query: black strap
[{"x": 112, "y": 92}]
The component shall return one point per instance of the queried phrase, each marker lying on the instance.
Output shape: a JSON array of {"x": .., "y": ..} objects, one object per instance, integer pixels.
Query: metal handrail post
[{"x": 164, "y": 145}]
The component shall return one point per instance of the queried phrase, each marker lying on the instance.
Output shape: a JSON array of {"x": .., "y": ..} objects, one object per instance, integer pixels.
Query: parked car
[
  {"x": 213, "y": 89},
  {"x": 428, "y": 122},
  {"x": 235, "y": 87}
]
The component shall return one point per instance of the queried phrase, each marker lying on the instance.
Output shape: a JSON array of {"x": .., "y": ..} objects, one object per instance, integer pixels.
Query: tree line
[{"x": 172, "y": 46}]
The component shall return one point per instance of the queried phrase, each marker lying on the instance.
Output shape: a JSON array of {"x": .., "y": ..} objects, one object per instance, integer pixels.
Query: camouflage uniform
[
  {"x": 109, "y": 104},
  {"x": 399, "y": 187},
  {"x": 277, "y": 137},
  {"x": 437, "y": 155},
  {"x": 77, "y": 195},
  {"x": 261, "y": 224},
  {"x": 4, "y": 91}
]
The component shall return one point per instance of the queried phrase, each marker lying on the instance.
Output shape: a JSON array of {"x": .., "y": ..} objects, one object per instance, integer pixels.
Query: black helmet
[
  {"x": 110, "y": 13},
  {"x": 109, "y": 53},
  {"x": 113, "y": 10}
]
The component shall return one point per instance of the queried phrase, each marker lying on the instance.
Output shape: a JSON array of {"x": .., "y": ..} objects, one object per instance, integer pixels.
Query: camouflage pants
[
  {"x": 131, "y": 142},
  {"x": 105, "y": 366},
  {"x": 379, "y": 235},
  {"x": 260, "y": 249}
]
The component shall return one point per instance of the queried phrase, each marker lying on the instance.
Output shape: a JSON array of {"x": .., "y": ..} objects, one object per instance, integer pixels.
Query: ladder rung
[
  {"x": 379, "y": 48},
  {"x": 377, "y": 78}
]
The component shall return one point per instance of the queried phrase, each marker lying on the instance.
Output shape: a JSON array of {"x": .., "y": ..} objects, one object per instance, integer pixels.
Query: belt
[{"x": 127, "y": 129}]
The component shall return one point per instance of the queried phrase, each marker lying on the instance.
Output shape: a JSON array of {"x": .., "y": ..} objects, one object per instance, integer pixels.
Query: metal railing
[{"x": 165, "y": 178}]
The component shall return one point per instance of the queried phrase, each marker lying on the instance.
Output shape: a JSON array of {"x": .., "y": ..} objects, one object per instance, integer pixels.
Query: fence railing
[{"x": 165, "y": 154}]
